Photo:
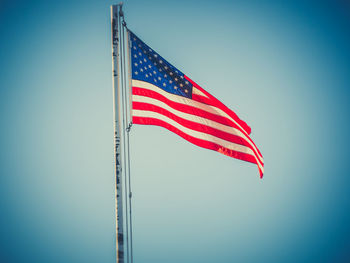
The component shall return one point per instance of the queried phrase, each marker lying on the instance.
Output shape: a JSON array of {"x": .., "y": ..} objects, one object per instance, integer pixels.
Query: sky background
[{"x": 282, "y": 66}]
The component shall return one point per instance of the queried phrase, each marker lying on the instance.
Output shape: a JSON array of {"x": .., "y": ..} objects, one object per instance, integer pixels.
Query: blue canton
[{"x": 147, "y": 65}]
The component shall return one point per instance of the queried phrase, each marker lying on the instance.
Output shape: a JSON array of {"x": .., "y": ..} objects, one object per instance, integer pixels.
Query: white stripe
[
  {"x": 198, "y": 92},
  {"x": 193, "y": 103},
  {"x": 194, "y": 118},
  {"x": 197, "y": 134}
]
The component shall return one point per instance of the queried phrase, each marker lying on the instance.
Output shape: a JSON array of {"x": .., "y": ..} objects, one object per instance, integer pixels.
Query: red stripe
[
  {"x": 196, "y": 141},
  {"x": 193, "y": 125},
  {"x": 220, "y": 105},
  {"x": 202, "y": 99},
  {"x": 189, "y": 109}
]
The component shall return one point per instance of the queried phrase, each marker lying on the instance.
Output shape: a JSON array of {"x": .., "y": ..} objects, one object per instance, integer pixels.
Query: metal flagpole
[
  {"x": 117, "y": 135},
  {"x": 124, "y": 125},
  {"x": 128, "y": 140}
]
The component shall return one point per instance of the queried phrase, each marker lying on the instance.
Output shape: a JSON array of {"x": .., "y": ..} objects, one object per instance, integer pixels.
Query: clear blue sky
[{"x": 282, "y": 66}]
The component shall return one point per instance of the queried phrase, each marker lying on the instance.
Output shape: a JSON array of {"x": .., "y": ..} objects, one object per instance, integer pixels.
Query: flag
[{"x": 162, "y": 95}]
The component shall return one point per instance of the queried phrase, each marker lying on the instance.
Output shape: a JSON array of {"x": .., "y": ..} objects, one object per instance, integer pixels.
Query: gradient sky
[{"x": 282, "y": 66}]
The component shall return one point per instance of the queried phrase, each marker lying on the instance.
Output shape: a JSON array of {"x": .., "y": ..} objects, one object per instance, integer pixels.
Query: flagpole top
[
  {"x": 118, "y": 7},
  {"x": 119, "y": 4}
]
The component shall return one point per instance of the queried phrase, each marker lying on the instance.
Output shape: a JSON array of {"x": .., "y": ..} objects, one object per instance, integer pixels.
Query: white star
[
  {"x": 140, "y": 61},
  {"x": 171, "y": 73},
  {"x": 175, "y": 79},
  {"x": 146, "y": 76},
  {"x": 144, "y": 60},
  {"x": 186, "y": 82},
  {"x": 164, "y": 84},
  {"x": 140, "y": 54},
  {"x": 175, "y": 87},
  {"x": 165, "y": 75},
  {"x": 166, "y": 67},
  {"x": 182, "y": 77},
  {"x": 149, "y": 66},
  {"x": 134, "y": 38},
  {"x": 139, "y": 45},
  {"x": 181, "y": 85},
  {"x": 154, "y": 72},
  {"x": 145, "y": 67},
  {"x": 155, "y": 80},
  {"x": 134, "y": 47},
  {"x": 150, "y": 74},
  {"x": 135, "y": 56},
  {"x": 136, "y": 64},
  {"x": 141, "y": 69},
  {"x": 160, "y": 61},
  {"x": 160, "y": 70},
  {"x": 159, "y": 78},
  {"x": 186, "y": 90},
  {"x": 136, "y": 73},
  {"x": 155, "y": 55},
  {"x": 170, "y": 81}
]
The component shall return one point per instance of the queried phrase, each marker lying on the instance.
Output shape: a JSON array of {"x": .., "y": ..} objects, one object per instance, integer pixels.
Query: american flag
[{"x": 164, "y": 96}]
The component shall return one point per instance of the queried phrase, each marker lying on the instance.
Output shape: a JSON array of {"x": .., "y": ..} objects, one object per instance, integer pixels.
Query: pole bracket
[{"x": 129, "y": 127}]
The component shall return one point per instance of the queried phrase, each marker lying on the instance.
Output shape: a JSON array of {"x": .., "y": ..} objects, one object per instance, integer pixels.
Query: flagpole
[
  {"x": 128, "y": 140},
  {"x": 117, "y": 135}
]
